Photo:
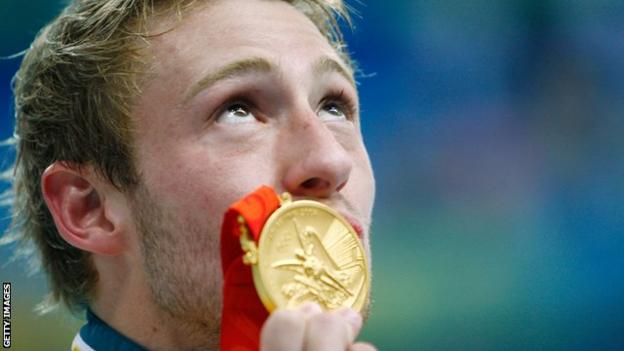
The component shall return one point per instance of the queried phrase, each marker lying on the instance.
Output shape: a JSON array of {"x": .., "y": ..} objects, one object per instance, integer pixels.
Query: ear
[{"x": 87, "y": 210}]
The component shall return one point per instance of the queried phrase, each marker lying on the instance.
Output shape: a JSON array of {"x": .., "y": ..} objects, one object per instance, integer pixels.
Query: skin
[{"x": 281, "y": 120}]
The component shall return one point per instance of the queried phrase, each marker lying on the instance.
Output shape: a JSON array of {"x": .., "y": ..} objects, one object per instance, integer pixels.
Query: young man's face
[{"x": 242, "y": 93}]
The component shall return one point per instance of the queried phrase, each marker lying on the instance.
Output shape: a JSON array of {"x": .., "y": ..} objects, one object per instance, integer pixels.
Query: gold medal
[{"x": 307, "y": 252}]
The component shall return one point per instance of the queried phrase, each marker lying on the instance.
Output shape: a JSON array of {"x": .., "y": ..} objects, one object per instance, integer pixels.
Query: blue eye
[{"x": 236, "y": 113}]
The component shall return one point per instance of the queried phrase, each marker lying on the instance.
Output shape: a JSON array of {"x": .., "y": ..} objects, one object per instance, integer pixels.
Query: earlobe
[{"x": 78, "y": 201}]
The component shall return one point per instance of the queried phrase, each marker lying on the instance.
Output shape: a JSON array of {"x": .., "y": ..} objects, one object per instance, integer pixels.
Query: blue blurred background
[{"x": 496, "y": 132}]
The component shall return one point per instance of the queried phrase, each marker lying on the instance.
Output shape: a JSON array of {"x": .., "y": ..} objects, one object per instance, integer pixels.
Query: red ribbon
[{"x": 243, "y": 313}]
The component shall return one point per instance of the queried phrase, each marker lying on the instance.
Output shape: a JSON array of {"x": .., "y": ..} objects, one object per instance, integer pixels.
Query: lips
[{"x": 359, "y": 230}]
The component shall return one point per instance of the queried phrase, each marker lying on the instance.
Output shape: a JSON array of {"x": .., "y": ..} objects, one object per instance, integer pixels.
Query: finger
[
  {"x": 362, "y": 346},
  {"x": 309, "y": 309},
  {"x": 283, "y": 330},
  {"x": 330, "y": 331},
  {"x": 354, "y": 319}
]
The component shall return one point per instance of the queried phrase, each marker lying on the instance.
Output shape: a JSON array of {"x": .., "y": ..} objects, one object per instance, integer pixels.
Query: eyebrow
[
  {"x": 251, "y": 65},
  {"x": 328, "y": 65},
  {"x": 233, "y": 69}
]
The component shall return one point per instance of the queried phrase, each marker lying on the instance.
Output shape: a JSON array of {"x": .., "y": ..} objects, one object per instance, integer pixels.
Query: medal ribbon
[{"x": 243, "y": 313}]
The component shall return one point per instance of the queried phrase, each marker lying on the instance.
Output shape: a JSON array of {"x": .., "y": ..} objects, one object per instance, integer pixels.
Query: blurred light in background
[{"x": 496, "y": 130}]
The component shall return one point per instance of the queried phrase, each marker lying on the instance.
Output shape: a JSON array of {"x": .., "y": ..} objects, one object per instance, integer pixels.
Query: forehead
[{"x": 215, "y": 32}]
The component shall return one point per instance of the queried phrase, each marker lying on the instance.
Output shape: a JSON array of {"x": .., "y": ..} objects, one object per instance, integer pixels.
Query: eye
[
  {"x": 238, "y": 112},
  {"x": 332, "y": 111},
  {"x": 337, "y": 107}
]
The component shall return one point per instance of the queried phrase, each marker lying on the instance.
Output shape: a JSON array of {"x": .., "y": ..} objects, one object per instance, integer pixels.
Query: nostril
[
  {"x": 313, "y": 183},
  {"x": 310, "y": 183}
]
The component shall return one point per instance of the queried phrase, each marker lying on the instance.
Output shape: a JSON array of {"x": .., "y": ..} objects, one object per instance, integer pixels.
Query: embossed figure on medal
[
  {"x": 317, "y": 279},
  {"x": 308, "y": 252}
]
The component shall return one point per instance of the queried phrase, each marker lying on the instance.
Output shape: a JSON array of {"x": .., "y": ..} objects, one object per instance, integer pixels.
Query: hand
[{"x": 310, "y": 328}]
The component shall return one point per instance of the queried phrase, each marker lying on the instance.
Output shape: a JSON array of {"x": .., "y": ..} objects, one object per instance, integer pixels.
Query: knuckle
[
  {"x": 327, "y": 321},
  {"x": 286, "y": 318},
  {"x": 282, "y": 323}
]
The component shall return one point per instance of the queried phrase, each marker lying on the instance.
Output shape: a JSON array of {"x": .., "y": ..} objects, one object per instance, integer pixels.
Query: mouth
[{"x": 359, "y": 230}]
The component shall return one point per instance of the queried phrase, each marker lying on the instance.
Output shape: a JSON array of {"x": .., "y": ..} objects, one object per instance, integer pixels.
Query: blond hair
[{"x": 73, "y": 95}]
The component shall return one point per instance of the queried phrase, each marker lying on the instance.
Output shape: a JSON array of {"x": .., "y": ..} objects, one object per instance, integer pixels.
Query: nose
[{"x": 318, "y": 165}]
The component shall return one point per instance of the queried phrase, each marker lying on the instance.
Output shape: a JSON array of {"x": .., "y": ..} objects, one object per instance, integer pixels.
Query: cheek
[
  {"x": 205, "y": 179},
  {"x": 362, "y": 180},
  {"x": 350, "y": 138},
  {"x": 363, "y": 183}
]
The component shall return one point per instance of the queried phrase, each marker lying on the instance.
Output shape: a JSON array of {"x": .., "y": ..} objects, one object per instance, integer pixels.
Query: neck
[{"x": 126, "y": 304}]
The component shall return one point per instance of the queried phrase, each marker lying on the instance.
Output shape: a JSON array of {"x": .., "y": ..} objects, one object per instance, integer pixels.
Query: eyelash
[
  {"x": 337, "y": 97},
  {"x": 239, "y": 100},
  {"x": 346, "y": 104}
]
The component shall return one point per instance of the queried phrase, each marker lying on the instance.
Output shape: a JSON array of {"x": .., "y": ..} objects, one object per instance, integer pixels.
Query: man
[{"x": 139, "y": 122}]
